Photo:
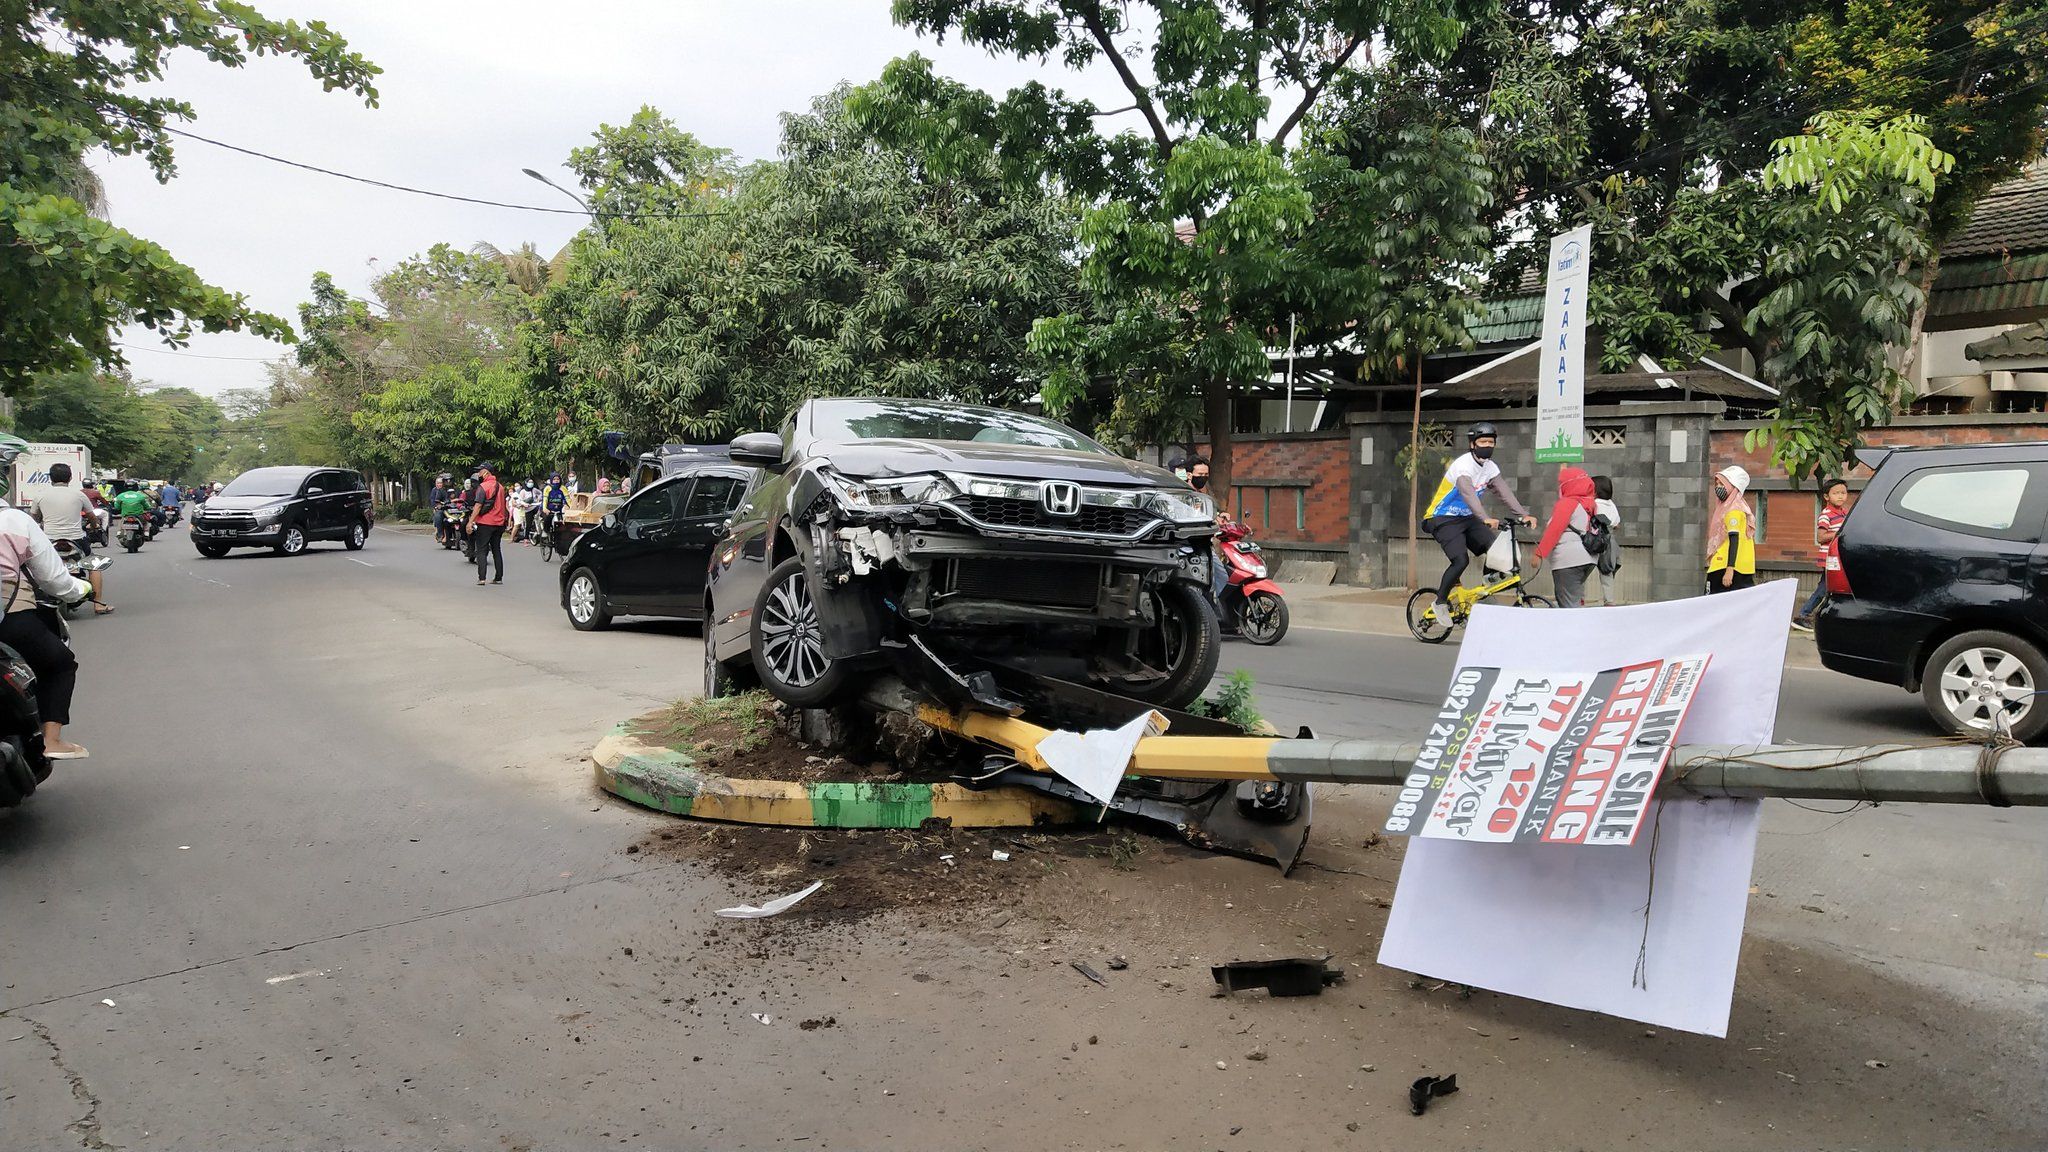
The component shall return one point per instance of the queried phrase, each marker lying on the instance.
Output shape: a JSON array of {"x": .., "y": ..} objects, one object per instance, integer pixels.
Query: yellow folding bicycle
[{"x": 1431, "y": 622}]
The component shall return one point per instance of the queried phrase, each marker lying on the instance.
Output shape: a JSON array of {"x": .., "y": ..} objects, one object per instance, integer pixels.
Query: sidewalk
[{"x": 1383, "y": 612}]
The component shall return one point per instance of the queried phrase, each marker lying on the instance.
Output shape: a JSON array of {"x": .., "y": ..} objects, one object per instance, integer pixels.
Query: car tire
[
  {"x": 293, "y": 542},
  {"x": 588, "y": 609},
  {"x": 719, "y": 681},
  {"x": 786, "y": 644},
  {"x": 212, "y": 551},
  {"x": 1976, "y": 675},
  {"x": 1200, "y": 647},
  {"x": 358, "y": 535}
]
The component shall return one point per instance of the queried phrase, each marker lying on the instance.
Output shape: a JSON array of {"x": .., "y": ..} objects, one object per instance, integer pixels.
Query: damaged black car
[{"x": 888, "y": 527}]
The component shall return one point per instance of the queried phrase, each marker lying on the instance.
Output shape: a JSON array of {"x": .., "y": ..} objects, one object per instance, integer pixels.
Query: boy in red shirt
[{"x": 1834, "y": 509}]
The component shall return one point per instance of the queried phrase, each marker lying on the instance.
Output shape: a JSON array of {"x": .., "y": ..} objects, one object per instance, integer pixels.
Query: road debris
[
  {"x": 999, "y": 855},
  {"x": 1876, "y": 1064},
  {"x": 813, "y": 1025},
  {"x": 1303, "y": 976},
  {"x": 1084, "y": 969},
  {"x": 108, "y": 1003},
  {"x": 762, "y": 1018},
  {"x": 773, "y": 907},
  {"x": 1118, "y": 964},
  {"x": 1428, "y": 1088}
]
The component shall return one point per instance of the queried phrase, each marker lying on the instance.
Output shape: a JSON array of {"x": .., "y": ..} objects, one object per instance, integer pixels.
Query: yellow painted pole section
[{"x": 1167, "y": 757}]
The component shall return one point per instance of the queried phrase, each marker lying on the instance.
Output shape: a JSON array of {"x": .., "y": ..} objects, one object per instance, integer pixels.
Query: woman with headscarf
[
  {"x": 1563, "y": 542},
  {"x": 1731, "y": 533}
]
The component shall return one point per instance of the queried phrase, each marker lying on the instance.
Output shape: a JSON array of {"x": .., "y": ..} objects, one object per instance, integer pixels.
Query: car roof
[{"x": 1875, "y": 457}]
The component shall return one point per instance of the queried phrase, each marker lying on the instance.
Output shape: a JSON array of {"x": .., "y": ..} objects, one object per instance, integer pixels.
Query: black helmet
[{"x": 1481, "y": 429}]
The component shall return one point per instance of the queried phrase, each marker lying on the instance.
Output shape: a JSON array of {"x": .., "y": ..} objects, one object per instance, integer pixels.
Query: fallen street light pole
[{"x": 1952, "y": 772}]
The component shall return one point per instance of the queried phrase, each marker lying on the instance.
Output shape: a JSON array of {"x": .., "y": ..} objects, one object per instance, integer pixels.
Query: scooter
[
  {"x": 134, "y": 532},
  {"x": 81, "y": 566},
  {"x": 22, "y": 763},
  {"x": 1252, "y": 604}
]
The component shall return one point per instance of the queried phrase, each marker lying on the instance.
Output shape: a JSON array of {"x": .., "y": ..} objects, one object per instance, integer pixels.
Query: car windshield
[
  {"x": 266, "y": 482},
  {"x": 916, "y": 420}
]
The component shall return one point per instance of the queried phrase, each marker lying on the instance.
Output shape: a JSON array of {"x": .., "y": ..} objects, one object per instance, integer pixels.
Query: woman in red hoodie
[{"x": 1570, "y": 563}]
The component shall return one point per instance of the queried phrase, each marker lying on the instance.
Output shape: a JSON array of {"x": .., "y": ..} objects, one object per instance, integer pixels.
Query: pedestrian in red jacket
[{"x": 1563, "y": 544}]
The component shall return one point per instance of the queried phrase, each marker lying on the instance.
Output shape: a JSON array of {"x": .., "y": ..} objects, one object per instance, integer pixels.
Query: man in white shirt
[
  {"x": 1457, "y": 517},
  {"x": 61, "y": 510}
]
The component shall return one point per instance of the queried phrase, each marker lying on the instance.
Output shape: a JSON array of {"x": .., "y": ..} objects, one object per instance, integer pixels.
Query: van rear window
[{"x": 1976, "y": 500}]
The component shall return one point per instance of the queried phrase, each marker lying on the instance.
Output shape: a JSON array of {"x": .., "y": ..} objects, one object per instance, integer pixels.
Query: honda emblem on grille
[{"x": 1061, "y": 497}]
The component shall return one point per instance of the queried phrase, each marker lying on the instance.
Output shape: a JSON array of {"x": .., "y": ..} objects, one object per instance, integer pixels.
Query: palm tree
[{"x": 524, "y": 266}]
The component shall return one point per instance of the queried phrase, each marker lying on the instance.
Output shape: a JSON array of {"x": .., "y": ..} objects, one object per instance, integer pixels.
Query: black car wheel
[
  {"x": 212, "y": 551},
  {"x": 588, "y": 610},
  {"x": 293, "y": 542},
  {"x": 1186, "y": 645},
  {"x": 1979, "y": 681},
  {"x": 787, "y": 644},
  {"x": 358, "y": 535}
]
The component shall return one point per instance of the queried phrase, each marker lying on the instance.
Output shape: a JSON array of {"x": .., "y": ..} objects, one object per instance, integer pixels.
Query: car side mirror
[
  {"x": 316, "y": 491},
  {"x": 758, "y": 450}
]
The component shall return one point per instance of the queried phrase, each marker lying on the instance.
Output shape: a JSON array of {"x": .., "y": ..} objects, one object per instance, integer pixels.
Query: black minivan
[
  {"x": 285, "y": 509},
  {"x": 1943, "y": 587},
  {"x": 649, "y": 556}
]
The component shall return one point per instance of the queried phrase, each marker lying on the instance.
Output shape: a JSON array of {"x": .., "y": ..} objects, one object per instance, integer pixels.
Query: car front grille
[
  {"x": 227, "y": 522},
  {"x": 1051, "y": 583},
  {"x": 1031, "y": 516}
]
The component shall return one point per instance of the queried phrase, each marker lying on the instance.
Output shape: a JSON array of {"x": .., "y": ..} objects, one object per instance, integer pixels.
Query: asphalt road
[{"x": 335, "y": 877}]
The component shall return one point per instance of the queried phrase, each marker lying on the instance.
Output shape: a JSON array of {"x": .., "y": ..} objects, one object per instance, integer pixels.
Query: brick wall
[{"x": 1268, "y": 471}]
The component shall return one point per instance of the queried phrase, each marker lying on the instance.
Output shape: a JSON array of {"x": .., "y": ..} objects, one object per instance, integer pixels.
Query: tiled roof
[
  {"x": 2011, "y": 218},
  {"x": 2031, "y": 340},
  {"x": 1982, "y": 289},
  {"x": 1510, "y": 320}
]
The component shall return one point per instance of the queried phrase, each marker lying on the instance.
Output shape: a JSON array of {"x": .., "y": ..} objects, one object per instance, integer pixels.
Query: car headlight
[
  {"x": 1179, "y": 507},
  {"x": 892, "y": 492},
  {"x": 270, "y": 515}
]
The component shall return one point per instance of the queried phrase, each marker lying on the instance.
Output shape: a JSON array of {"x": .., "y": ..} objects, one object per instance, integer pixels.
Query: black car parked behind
[
  {"x": 1943, "y": 586},
  {"x": 285, "y": 509},
  {"x": 649, "y": 557}
]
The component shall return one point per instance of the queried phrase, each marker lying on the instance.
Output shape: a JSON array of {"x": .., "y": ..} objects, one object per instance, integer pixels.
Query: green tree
[
  {"x": 73, "y": 69},
  {"x": 100, "y": 410},
  {"x": 451, "y": 416},
  {"x": 649, "y": 168},
  {"x": 1853, "y": 223},
  {"x": 181, "y": 425},
  {"x": 1198, "y": 213},
  {"x": 844, "y": 267}
]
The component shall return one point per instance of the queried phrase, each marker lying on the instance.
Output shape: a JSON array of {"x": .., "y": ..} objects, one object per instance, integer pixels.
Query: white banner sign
[
  {"x": 1561, "y": 364},
  {"x": 1580, "y": 926}
]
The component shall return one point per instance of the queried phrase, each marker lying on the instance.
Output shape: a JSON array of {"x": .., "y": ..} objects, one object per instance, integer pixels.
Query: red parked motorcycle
[{"x": 1252, "y": 605}]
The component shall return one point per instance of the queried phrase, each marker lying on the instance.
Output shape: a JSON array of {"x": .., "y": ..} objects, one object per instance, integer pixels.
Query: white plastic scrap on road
[{"x": 778, "y": 905}]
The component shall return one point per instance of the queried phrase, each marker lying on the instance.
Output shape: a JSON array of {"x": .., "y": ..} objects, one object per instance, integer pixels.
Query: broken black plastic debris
[
  {"x": 1083, "y": 968},
  {"x": 1422, "y": 1091},
  {"x": 1303, "y": 976}
]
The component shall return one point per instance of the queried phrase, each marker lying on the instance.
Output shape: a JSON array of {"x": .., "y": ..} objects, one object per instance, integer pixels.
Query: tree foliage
[
  {"x": 844, "y": 267},
  {"x": 161, "y": 433},
  {"x": 73, "y": 69},
  {"x": 1198, "y": 214},
  {"x": 452, "y": 416}
]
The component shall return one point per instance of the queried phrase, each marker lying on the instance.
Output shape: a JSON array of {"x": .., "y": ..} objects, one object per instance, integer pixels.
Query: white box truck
[{"x": 31, "y": 471}]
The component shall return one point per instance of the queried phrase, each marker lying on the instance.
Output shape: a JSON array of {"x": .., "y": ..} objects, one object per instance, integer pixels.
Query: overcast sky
[{"x": 473, "y": 91}]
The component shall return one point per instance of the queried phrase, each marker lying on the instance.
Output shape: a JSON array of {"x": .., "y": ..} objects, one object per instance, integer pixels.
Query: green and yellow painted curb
[{"x": 659, "y": 777}]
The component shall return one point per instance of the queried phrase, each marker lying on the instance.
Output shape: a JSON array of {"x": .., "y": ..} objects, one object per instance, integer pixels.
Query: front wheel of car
[
  {"x": 718, "y": 679},
  {"x": 358, "y": 535},
  {"x": 292, "y": 542},
  {"x": 1185, "y": 644},
  {"x": 588, "y": 610},
  {"x": 1980, "y": 682},
  {"x": 788, "y": 644}
]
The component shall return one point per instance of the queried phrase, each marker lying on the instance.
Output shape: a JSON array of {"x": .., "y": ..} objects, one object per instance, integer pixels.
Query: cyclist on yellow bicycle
[{"x": 1457, "y": 517}]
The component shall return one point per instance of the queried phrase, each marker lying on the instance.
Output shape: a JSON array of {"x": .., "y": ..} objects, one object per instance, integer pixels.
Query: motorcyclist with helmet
[
  {"x": 1455, "y": 514},
  {"x": 29, "y": 561}
]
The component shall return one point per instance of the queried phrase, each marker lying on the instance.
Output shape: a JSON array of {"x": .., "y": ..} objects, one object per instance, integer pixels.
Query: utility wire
[
  {"x": 195, "y": 355},
  {"x": 440, "y": 195}
]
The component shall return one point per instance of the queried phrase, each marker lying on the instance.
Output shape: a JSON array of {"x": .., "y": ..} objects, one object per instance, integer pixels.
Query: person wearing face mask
[
  {"x": 1455, "y": 514},
  {"x": 1197, "y": 469},
  {"x": 1731, "y": 533}
]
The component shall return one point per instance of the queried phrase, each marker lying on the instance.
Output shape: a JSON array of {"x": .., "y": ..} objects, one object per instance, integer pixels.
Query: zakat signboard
[{"x": 1547, "y": 757}]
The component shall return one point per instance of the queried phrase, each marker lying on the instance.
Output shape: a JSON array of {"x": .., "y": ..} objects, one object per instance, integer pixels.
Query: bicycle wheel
[
  {"x": 1532, "y": 601},
  {"x": 1432, "y": 630},
  {"x": 547, "y": 545}
]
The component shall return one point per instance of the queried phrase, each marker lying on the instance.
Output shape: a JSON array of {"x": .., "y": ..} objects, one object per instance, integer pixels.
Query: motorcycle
[
  {"x": 1252, "y": 604},
  {"x": 171, "y": 514},
  {"x": 96, "y": 520},
  {"x": 134, "y": 532},
  {"x": 22, "y": 764},
  {"x": 81, "y": 566}
]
